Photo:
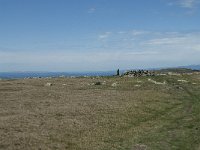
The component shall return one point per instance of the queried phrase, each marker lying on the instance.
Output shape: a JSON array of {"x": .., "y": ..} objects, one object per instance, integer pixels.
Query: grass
[{"x": 82, "y": 116}]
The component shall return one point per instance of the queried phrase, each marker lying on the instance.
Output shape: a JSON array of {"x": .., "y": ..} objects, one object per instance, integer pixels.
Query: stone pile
[{"x": 139, "y": 73}]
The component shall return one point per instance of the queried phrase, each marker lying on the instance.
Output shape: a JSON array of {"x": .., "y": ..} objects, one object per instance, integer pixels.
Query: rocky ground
[{"x": 101, "y": 113}]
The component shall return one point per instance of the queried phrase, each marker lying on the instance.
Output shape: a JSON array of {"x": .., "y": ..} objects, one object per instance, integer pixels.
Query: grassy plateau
[{"x": 122, "y": 113}]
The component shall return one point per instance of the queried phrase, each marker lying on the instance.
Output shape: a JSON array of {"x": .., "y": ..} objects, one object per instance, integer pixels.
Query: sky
[{"x": 98, "y": 35}]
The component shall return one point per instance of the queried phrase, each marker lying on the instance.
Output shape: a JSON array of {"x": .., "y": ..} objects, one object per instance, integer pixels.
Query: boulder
[
  {"x": 97, "y": 83},
  {"x": 48, "y": 84},
  {"x": 114, "y": 84}
]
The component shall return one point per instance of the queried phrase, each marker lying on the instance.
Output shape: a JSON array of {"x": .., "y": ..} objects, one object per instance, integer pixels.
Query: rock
[
  {"x": 104, "y": 83},
  {"x": 139, "y": 147},
  {"x": 48, "y": 84},
  {"x": 114, "y": 84},
  {"x": 97, "y": 83},
  {"x": 184, "y": 81},
  {"x": 155, "y": 82},
  {"x": 162, "y": 74},
  {"x": 137, "y": 85},
  {"x": 174, "y": 74},
  {"x": 179, "y": 87}
]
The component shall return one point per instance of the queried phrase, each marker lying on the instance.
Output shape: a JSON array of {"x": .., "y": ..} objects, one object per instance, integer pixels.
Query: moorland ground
[{"x": 161, "y": 112}]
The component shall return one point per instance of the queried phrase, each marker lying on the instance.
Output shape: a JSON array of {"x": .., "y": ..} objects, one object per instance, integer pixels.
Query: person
[{"x": 117, "y": 72}]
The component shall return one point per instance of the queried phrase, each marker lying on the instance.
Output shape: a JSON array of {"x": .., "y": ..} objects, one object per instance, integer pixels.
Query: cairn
[{"x": 139, "y": 73}]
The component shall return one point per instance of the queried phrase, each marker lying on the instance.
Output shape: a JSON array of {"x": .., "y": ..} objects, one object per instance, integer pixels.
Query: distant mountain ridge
[{"x": 193, "y": 67}]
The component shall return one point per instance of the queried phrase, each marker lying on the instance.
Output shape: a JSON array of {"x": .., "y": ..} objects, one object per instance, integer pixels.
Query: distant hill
[
  {"x": 182, "y": 69},
  {"x": 175, "y": 70},
  {"x": 193, "y": 67}
]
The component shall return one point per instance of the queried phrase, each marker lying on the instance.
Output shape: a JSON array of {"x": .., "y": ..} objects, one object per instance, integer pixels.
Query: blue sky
[{"x": 98, "y": 35}]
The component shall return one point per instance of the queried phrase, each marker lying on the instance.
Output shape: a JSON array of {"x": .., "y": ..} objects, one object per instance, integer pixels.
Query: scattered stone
[
  {"x": 155, "y": 82},
  {"x": 114, "y": 84},
  {"x": 64, "y": 84},
  {"x": 184, "y": 81},
  {"x": 162, "y": 74},
  {"x": 138, "y": 81},
  {"x": 179, "y": 87},
  {"x": 139, "y": 147},
  {"x": 104, "y": 83},
  {"x": 174, "y": 74},
  {"x": 48, "y": 84},
  {"x": 97, "y": 83},
  {"x": 137, "y": 85},
  {"x": 188, "y": 73}
]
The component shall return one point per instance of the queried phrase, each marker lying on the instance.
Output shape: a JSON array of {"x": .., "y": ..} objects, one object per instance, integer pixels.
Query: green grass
[{"x": 102, "y": 117}]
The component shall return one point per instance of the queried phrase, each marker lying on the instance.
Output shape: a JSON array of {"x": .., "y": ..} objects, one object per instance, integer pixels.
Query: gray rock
[
  {"x": 140, "y": 147},
  {"x": 48, "y": 84},
  {"x": 114, "y": 84},
  {"x": 97, "y": 83}
]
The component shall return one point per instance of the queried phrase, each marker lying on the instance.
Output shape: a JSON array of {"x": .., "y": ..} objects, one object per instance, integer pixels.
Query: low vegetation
[{"x": 120, "y": 113}]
